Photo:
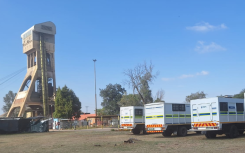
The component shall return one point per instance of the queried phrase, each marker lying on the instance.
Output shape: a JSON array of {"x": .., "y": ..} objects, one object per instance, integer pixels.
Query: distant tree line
[
  {"x": 197, "y": 95},
  {"x": 240, "y": 95},
  {"x": 200, "y": 95}
]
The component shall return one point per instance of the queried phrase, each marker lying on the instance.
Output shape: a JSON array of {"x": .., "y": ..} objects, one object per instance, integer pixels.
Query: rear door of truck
[
  {"x": 204, "y": 112},
  {"x": 154, "y": 116},
  {"x": 126, "y": 114}
]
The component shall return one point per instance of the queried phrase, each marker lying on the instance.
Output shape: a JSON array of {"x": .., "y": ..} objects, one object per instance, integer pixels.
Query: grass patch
[{"x": 103, "y": 140}]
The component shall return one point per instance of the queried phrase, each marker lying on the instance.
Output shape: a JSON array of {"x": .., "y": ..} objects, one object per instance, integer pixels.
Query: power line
[
  {"x": 13, "y": 73},
  {"x": 12, "y": 77},
  {"x": 10, "y": 83}
]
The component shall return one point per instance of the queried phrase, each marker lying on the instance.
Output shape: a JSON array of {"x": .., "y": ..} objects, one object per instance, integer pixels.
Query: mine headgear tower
[{"x": 37, "y": 92}]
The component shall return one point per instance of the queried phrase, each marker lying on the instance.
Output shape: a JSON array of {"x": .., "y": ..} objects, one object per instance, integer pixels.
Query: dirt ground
[{"x": 105, "y": 140}]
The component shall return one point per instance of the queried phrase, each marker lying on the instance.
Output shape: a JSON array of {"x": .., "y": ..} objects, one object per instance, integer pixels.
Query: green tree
[
  {"x": 159, "y": 96},
  {"x": 101, "y": 112},
  {"x": 130, "y": 100},
  {"x": 111, "y": 95},
  {"x": 157, "y": 100},
  {"x": 67, "y": 104},
  {"x": 8, "y": 100},
  {"x": 240, "y": 95},
  {"x": 139, "y": 79},
  {"x": 197, "y": 95},
  {"x": 145, "y": 91}
]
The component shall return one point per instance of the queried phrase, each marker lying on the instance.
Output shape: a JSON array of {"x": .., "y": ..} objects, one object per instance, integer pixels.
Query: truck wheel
[
  {"x": 233, "y": 132},
  {"x": 207, "y": 135},
  {"x": 210, "y": 135},
  {"x": 136, "y": 131},
  {"x": 144, "y": 131},
  {"x": 182, "y": 131},
  {"x": 241, "y": 132},
  {"x": 167, "y": 133}
]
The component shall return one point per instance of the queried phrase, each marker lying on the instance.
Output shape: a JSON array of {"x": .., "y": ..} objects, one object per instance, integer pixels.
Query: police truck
[
  {"x": 132, "y": 118},
  {"x": 167, "y": 118},
  {"x": 218, "y": 115}
]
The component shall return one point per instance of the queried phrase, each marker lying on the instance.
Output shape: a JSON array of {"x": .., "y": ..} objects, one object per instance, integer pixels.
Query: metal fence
[
  {"x": 104, "y": 121},
  {"x": 90, "y": 122}
]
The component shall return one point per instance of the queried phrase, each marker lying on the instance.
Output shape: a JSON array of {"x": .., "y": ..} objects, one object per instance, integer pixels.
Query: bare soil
[{"x": 102, "y": 141}]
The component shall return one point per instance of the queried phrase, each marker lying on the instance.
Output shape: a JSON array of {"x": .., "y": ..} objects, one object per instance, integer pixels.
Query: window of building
[
  {"x": 138, "y": 112},
  {"x": 223, "y": 106},
  {"x": 35, "y": 59},
  {"x": 48, "y": 60},
  {"x": 239, "y": 107},
  {"x": 178, "y": 107}
]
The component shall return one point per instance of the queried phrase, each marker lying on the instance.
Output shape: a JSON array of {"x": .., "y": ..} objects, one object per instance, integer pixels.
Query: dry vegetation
[{"x": 113, "y": 141}]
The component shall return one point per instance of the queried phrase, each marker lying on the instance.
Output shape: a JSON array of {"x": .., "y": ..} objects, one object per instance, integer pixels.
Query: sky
[{"x": 194, "y": 45}]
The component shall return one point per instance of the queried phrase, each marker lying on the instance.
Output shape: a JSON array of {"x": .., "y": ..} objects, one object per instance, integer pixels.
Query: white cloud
[
  {"x": 184, "y": 76},
  {"x": 167, "y": 79},
  {"x": 203, "y": 73},
  {"x": 212, "y": 47},
  {"x": 222, "y": 26},
  {"x": 205, "y": 26},
  {"x": 193, "y": 75}
]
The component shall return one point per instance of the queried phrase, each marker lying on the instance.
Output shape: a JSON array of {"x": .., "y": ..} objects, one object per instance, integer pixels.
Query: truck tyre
[
  {"x": 167, "y": 133},
  {"x": 241, "y": 132},
  {"x": 182, "y": 131},
  {"x": 144, "y": 131},
  {"x": 233, "y": 133},
  {"x": 207, "y": 135},
  {"x": 210, "y": 135},
  {"x": 136, "y": 131}
]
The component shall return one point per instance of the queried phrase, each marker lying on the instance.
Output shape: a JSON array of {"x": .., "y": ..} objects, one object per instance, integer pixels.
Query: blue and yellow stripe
[
  {"x": 204, "y": 114},
  {"x": 126, "y": 117},
  {"x": 154, "y": 117}
]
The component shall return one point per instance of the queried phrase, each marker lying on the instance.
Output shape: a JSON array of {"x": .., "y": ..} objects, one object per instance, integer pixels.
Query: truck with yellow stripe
[
  {"x": 218, "y": 115},
  {"x": 132, "y": 118},
  {"x": 167, "y": 118}
]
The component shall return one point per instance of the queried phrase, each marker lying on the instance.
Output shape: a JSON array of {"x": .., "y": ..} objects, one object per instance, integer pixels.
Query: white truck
[
  {"x": 168, "y": 118},
  {"x": 132, "y": 118},
  {"x": 218, "y": 115}
]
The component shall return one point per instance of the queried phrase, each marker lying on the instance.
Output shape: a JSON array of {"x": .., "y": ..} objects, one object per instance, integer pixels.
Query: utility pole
[
  {"x": 95, "y": 92},
  {"x": 86, "y": 109}
]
